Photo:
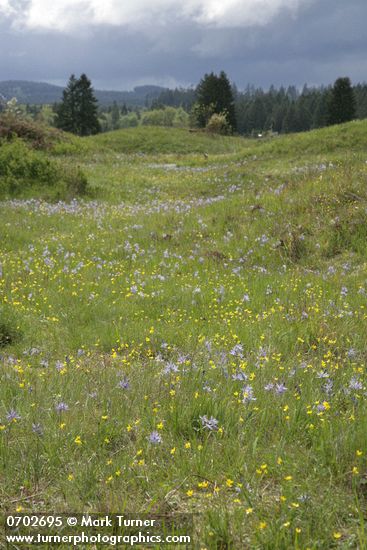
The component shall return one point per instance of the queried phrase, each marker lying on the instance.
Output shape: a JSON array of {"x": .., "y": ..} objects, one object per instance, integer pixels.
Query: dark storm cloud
[{"x": 322, "y": 41}]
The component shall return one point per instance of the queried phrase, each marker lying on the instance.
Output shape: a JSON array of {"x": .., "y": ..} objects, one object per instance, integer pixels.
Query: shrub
[
  {"x": 129, "y": 121},
  {"x": 37, "y": 135},
  {"x": 22, "y": 168},
  {"x": 76, "y": 181},
  {"x": 218, "y": 124},
  {"x": 181, "y": 119},
  {"x": 159, "y": 117}
]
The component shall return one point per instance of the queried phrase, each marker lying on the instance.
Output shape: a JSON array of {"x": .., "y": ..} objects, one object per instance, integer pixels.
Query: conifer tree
[
  {"x": 87, "y": 108},
  {"x": 77, "y": 113},
  {"x": 342, "y": 105},
  {"x": 66, "y": 111},
  {"x": 214, "y": 95}
]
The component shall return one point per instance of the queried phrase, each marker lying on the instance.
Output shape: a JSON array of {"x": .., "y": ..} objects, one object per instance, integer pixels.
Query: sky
[{"x": 120, "y": 44}]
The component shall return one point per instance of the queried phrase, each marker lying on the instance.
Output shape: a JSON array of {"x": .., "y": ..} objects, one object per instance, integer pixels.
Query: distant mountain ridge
[{"x": 37, "y": 93}]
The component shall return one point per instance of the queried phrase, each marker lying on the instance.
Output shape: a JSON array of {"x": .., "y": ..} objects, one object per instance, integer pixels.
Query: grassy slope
[
  {"x": 153, "y": 140},
  {"x": 179, "y": 258}
]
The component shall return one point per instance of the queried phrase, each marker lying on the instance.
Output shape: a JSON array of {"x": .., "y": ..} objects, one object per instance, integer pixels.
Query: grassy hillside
[
  {"x": 157, "y": 140},
  {"x": 191, "y": 336}
]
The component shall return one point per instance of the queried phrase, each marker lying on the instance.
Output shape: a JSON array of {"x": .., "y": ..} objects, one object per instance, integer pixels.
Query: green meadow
[{"x": 183, "y": 330}]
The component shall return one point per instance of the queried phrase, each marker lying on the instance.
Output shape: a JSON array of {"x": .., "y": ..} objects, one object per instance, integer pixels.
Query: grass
[
  {"x": 217, "y": 299},
  {"x": 156, "y": 140}
]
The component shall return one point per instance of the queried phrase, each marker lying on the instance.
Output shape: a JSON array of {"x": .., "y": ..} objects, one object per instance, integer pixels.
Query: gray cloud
[
  {"x": 67, "y": 15},
  {"x": 296, "y": 42}
]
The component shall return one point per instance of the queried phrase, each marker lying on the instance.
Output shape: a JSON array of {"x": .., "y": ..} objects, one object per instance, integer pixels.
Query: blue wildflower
[
  {"x": 210, "y": 424},
  {"x": 248, "y": 394},
  {"x": 124, "y": 384},
  {"x": 155, "y": 438},
  {"x": 12, "y": 416},
  {"x": 241, "y": 376},
  {"x": 355, "y": 384},
  {"x": 280, "y": 389},
  {"x": 61, "y": 407}
]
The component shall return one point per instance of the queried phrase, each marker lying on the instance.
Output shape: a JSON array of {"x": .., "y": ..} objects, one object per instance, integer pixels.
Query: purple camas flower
[
  {"x": 170, "y": 368},
  {"x": 12, "y": 416},
  {"x": 61, "y": 407},
  {"x": 241, "y": 376},
  {"x": 355, "y": 384},
  {"x": 248, "y": 394},
  {"x": 210, "y": 424},
  {"x": 237, "y": 351},
  {"x": 262, "y": 353},
  {"x": 155, "y": 438},
  {"x": 124, "y": 384},
  {"x": 328, "y": 387},
  {"x": 208, "y": 345},
  {"x": 280, "y": 389},
  {"x": 59, "y": 365},
  {"x": 323, "y": 374}
]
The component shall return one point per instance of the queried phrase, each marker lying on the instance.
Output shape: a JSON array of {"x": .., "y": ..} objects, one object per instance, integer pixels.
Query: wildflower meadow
[{"x": 189, "y": 336}]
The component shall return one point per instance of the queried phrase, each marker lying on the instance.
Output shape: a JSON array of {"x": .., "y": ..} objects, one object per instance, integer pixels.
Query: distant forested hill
[{"x": 37, "y": 93}]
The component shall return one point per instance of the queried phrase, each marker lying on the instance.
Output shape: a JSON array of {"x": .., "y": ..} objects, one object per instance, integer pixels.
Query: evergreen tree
[
  {"x": 214, "y": 95},
  {"x": 67, "y": 109},
  {"x": 257, "y": 114},
  {"x": 342, "y": 105},
  {"x": 290, "y": 122},
  {"x": 321, "y": 109},
  {"x": 360, "y": 92},
  {"x": 77, "y": 113},
  {"x": 303, "y": 111},
  {"x": 87, "y": 108}
]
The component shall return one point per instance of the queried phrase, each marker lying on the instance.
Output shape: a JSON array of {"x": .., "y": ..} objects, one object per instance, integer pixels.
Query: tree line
[
  {"x": 290, "y": 110},
  {"x": 283, "y": 110},
  {"x": 218, "y": 106}
]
